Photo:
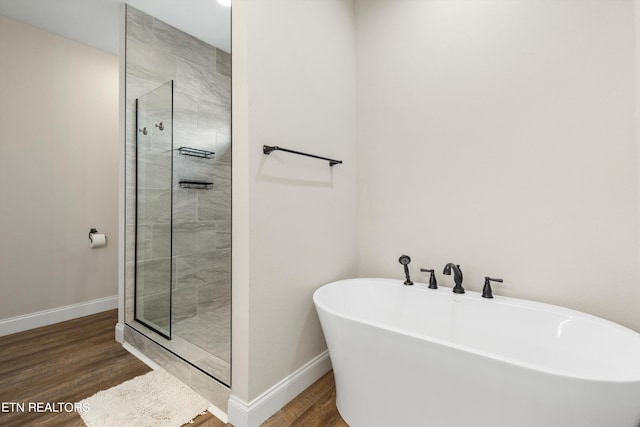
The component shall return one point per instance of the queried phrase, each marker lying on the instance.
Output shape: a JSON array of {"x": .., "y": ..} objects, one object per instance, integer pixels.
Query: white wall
[
  {"x": 58, "y": 170},
  {"x": 294, "y": 218},
  {"x": 500, "y": 135}
]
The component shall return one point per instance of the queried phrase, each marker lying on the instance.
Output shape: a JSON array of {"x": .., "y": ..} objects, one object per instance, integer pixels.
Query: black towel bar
[{"x": 267, "y": 149}]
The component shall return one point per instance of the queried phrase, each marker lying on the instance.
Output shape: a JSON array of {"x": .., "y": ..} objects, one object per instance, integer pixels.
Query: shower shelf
[
  {"x": 199, "y": 185},
  {"x": 195, "y": 152}
]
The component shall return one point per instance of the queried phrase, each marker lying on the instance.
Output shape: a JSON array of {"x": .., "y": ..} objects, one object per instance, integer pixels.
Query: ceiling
[{"x": 96, "y": 22}]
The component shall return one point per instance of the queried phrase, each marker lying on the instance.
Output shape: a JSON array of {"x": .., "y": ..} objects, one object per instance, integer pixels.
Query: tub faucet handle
[
  {"x": 405, "y": 260},
  {"x": 433, "y": 284},
  {"x": 486, "y": 290}
]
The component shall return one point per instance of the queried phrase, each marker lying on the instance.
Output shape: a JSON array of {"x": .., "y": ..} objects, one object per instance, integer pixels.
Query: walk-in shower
[{"x": 178, "y": 203}]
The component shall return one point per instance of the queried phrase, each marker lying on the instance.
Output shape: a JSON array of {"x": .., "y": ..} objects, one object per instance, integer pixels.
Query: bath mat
[{"x": 155, "y": 399}]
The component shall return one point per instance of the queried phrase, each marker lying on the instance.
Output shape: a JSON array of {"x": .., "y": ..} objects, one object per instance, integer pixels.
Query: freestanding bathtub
[{"x": 412, "y": 356}]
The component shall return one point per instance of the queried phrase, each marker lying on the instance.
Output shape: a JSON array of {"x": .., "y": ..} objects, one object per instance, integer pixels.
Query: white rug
[{"x": 155, "y": 399}]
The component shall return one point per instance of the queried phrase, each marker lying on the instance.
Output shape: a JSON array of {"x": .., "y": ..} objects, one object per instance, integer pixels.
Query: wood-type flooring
[{"x": 70, "y": 361}]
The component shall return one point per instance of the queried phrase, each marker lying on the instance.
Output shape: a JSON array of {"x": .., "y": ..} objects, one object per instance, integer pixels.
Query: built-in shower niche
[{"x": 154, "y": 271}]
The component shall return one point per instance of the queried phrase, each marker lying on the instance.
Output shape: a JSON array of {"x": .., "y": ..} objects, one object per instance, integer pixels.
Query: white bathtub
[{"x": 412, "y": 356}]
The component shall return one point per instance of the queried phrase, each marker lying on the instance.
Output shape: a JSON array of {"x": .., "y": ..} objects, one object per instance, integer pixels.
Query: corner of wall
[
  {"x": 240, "y": 204},
  {"x": 121, "y": 166}
]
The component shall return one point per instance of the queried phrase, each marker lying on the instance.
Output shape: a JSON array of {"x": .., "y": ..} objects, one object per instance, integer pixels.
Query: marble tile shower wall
[{"x": 155, "y": 54}]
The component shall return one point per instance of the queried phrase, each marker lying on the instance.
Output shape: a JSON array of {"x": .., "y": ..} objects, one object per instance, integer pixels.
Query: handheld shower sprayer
[{"x": 405, "y": 260}]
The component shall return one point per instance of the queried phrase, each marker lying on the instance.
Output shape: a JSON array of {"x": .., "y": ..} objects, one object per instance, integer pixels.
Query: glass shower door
[{"x": 154, "y": 273}]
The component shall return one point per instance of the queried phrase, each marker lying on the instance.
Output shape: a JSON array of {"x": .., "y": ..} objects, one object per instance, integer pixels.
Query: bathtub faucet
[
  {"x": 457, "y": 277},
  {"x": 405, "y": 260}
]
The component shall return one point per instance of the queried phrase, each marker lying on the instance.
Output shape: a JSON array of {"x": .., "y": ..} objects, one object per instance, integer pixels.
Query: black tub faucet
[
  {"x": 457, "y": 277},
  {"x": 405, "y": 260}
]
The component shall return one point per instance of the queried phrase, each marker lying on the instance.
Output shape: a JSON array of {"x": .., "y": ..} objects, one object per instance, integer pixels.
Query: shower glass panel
[{"x": 154, "y": 272}]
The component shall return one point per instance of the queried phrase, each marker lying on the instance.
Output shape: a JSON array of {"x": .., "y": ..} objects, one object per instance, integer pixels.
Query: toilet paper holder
[{"x": 96, "y": 240}]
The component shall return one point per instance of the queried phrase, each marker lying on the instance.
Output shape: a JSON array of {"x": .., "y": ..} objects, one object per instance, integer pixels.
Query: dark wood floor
[
  {"x": 72, "y": 360},
  {"x": 66, "y": 362},
  {"x": 314, "y": 407}
]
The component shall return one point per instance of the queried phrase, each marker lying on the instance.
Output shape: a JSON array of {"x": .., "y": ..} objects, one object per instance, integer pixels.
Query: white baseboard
[
  {"x": 55, "y": 315},
  {"x": 254, "y": 413}
]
